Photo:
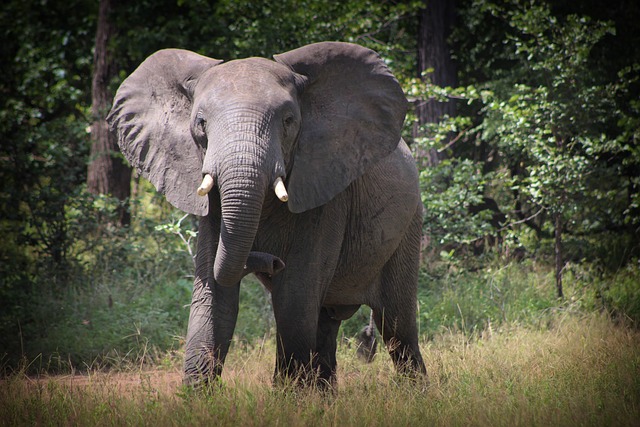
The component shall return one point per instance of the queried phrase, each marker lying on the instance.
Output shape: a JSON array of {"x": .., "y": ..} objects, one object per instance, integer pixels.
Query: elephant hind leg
[
  {"x": 395, "y": 316},
  {"x": 367, "y": 341}
]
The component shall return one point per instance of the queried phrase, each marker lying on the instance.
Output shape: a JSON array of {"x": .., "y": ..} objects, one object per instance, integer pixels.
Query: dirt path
[{"x": 123, "y": 382}]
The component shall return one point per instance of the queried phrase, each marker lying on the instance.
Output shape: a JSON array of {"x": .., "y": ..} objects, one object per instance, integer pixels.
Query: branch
[
  {"x": 524, "y": 220},
  {"x": 453, "y": 141},
  {"x": 187, "y": 242}
]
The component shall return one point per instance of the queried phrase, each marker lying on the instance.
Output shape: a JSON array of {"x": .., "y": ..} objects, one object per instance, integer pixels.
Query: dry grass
[{"x": 581, "y": 371}]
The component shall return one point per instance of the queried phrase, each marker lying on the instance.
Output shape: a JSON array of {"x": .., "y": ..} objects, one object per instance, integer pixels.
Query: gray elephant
[{"x": 320, "y": 126}]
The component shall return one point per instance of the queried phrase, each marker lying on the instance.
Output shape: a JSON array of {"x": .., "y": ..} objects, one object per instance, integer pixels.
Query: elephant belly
[
  {"x": 367, "y": 251},
  {"x": 382, "y": 205}
]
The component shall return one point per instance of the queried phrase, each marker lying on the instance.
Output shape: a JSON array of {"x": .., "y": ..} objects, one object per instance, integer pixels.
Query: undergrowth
[
  {"x": 126, "y": 314},
  {"x": 122, "y": 295},
  {"x": 500, "y": 348}
]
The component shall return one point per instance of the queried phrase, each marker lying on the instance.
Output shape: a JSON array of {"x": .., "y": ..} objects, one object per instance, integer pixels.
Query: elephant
[{"x": 298, "y": 172}]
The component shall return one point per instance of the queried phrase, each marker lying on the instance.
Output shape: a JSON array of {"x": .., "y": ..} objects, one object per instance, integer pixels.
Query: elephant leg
[
  {"x": 395, "y": 316},
  {"x": 297, "y": 311},
  {"x": 213, "y": 315},
  {"x": 296, "y": 342},
  {"x": 326, "y": 346},
  {"x": 367, "y": 341},
  {"x": 298, "y": 292},
  {"x": 214, "y": 311}
]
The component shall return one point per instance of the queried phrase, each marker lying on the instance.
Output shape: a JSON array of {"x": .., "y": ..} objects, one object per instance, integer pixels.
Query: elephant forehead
[{"x": 246, "y": 73}]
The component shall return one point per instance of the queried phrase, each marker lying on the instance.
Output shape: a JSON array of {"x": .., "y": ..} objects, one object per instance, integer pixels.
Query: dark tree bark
[
  {"x": 558, "y": 229},
  {"x": 558, "y": 254},
  {"x": 435, "y": 22},
  {"x": 107, "y": 173}
]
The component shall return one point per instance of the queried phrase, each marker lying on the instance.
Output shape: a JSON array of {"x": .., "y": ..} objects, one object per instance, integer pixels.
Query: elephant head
[{"x": 316, "y": 119}]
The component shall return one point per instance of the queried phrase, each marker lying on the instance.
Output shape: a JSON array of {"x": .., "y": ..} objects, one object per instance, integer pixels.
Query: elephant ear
[
  {"x": 352, "y": 114},
  {"x": 151, "y": 118}
]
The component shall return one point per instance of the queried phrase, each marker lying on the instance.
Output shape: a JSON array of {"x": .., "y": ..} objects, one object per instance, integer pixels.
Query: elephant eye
[
  {"x": 200, "y": 122},
  {"x": 199, "y": 129},
  {"x": 287, "y": 121}
]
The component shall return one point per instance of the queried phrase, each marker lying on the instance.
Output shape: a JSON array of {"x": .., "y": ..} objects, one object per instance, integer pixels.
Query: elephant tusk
[
  {"x": 206, "y": 186},
  {"x": 281, "y": 191}
]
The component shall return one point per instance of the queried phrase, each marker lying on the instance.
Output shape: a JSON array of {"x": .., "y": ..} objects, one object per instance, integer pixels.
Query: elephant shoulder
[{"x": 399, "y": 170}]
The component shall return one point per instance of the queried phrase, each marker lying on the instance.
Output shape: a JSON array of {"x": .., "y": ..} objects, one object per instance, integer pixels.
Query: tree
[
  {"x": 555, "y": 120},
  {"x": 435, "y": 22},
  {"x": 108, "y": 172},
  {"x": 457, "y": 214},
  {"x": 42, "y": 120}
]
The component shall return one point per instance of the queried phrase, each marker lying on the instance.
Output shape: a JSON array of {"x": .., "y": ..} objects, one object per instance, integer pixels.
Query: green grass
[{"x": 584, "y": 370}]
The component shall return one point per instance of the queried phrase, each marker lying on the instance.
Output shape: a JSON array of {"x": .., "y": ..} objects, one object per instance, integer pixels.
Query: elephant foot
[
  {"x": 202, "y": 369},
  {"x": 202, "y": 384},
  {"x": 207, "y": 378},
  {"x": 306, "y": 380}
]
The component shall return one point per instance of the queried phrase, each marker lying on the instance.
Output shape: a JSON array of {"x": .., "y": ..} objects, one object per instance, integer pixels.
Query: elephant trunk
[
  {"x": 241, "y": 198},
  {"x": 244, "y": 162}
]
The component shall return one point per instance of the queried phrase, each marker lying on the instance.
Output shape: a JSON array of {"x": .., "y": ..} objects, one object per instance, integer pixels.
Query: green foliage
[
  {"x": 550, "y": 132},
  {"x": 621, "y": 295},
  {"x": 255, "y": 318},
  {"x": 124, "y": 294},
  {"x": 474, "y": 302},
  {"x": 238, "y": 29},
  {"x": 264, "y": 28},
  {"x": 451, "y": 189},
  {"x": 501, "y": 295},
  {"x": 454, "y": 189},
  {"x": 43, "y": 117}
]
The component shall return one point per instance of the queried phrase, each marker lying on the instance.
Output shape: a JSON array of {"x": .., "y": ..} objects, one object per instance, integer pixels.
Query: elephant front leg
[
  {"x": 306, "y": 332},
  {"x": 301, "y": 360},
  {"x": 326, "y": 347},
  {"x": 213, "y": 315},
  {"x": 306, "y": 337},
  {"x": 214, "y": 311},
  {"x": 295, "y": 356}
]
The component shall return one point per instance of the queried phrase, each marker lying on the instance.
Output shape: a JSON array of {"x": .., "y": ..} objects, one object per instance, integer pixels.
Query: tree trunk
[
  {"x": 107, "y": 172},
  {"x": 558, "y": 253},
  {"x": 435, "y": 22}
]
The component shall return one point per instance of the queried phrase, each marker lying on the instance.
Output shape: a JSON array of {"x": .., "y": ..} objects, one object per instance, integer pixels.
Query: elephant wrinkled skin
[{"x": 342, "y": 231}]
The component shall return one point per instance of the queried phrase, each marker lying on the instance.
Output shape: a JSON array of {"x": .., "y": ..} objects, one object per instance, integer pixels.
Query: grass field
[{"x": 579, "y": 370}]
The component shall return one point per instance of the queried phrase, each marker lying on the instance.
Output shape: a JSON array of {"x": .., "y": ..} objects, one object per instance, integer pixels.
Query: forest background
[{"x": 525, "y": 123}]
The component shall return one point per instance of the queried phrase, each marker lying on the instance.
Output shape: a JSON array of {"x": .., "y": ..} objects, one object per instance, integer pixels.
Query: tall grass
[
  {"x": 499, "y": 347},
  {"x": 582, "y": 371}
]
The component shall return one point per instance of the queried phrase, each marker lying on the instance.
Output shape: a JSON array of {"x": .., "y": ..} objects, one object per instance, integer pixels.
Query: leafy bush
[
  {"x": 121, "y": 291},
  {"x": 621, "y": 295}
]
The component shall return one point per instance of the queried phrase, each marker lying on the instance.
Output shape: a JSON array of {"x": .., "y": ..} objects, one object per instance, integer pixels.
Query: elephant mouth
[
  {"x": 265, "y": 280},
  {"x": 278, "y": 187}
]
